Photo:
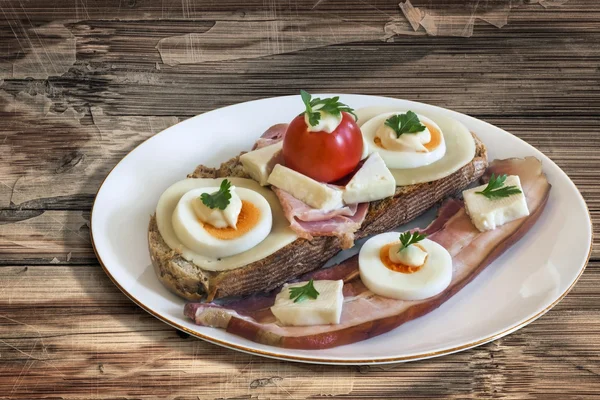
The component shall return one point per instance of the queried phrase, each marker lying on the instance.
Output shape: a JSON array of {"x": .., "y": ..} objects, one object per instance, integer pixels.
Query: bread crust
[{"x": 191, "y": 282}]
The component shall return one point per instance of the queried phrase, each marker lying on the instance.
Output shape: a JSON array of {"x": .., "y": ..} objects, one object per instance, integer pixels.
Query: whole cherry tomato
[{"x": 325, "y": 157}]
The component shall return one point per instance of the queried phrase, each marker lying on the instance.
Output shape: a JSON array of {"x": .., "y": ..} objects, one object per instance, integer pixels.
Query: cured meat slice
[
  {"x": 271, "y": 136},
  {"x": 309, "y": 222}
]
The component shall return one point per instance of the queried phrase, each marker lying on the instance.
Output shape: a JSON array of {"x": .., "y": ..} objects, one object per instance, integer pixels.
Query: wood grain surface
[{"x": 83, "y": 82}]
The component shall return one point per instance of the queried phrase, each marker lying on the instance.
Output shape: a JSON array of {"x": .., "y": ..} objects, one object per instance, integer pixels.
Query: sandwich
[{"x": 304, "y": 192}]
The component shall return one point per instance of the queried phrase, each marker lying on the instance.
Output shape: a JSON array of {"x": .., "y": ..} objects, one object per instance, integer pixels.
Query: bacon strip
[
  {"x": 450, "y": 207},
  {"x": 365, "y": 314},
  {"x": 308, "y": 222}
]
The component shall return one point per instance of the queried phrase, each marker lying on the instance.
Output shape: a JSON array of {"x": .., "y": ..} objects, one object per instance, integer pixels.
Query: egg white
[
  {"x": 430, "y": 280},
  {"x": 280, "y": 236},
  {"x": 401, "y": 159},
  {"x": 460, "y": 147},
  {"x": 192, "y": 233}
]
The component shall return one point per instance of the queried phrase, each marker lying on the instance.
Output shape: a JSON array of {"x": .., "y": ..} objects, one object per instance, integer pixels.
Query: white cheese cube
[
  {"x": 313, "y": 193},
  {"x": 487, "y": 214},
  {"x": 373, "y": 181},
  {"x": 259, "y": 163},
  {"x": 325, "y": 309}
]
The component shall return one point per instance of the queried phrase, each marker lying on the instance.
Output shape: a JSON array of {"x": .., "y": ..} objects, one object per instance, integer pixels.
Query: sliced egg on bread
[
  {"x": 255, "y": 237},
  {"x": 253, "y": 225},
  {"x": 388, "y": 279},
  {"x": 460, "y": 145},
  {"x": 436, "y": 148}
]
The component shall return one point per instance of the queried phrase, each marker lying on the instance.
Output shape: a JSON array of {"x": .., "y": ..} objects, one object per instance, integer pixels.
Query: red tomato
[{"x": 325, "y": 157}]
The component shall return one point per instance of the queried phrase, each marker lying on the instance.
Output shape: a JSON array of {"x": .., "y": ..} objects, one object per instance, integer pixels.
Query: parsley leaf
[
  {"x": 408, "y": 238},
  {"x": 314, "y": 107},
  {"x": 219, "y": 199},
  {"x": 301, "y": 293},
  {"x": 405, "y": 123},
  {"x": 313, "y": 117},
  {"x": 496, "y": 189}
]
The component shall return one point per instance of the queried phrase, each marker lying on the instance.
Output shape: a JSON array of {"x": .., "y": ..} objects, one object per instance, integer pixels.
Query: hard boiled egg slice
[
  {"x": 435, "y": 148},
  {"x": 253, "y": 225},
  {"x": 280, "y": 236},
  {"x": 460, "y": 145},
  {"x": 398, "y": 281}
]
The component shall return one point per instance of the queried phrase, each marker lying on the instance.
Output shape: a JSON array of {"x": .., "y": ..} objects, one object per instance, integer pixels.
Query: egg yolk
[
  {"x": 384, "y": 255},
  {"x": 434, "y": 142},
  {"x": 247, "y": 219},
  {"x": 436, "y": 137}
]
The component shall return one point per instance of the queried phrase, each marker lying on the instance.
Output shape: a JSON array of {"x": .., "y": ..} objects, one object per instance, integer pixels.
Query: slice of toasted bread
[{"x": 193, "y": 283}]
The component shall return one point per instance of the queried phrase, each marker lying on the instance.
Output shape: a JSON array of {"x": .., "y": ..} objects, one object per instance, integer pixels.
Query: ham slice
[
  {"x": 308, "y": 222},
  {"x": 365, "y": 314},
  {"x": 271, "y": 136}
]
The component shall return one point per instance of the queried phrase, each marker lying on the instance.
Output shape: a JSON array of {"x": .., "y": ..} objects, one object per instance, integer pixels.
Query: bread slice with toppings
[{"x": 193, "y": 283}]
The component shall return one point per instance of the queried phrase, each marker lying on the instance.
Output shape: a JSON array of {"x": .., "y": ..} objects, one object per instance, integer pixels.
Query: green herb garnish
[
  {"x": 405, "y": 123},
  {"x": 496, "y": 189},
  {"x": 301, "y": 293},
  {"x": 219, "y": 199},
  {"x": 408, "y": 238},
  {"x": 315, "y": 106}
]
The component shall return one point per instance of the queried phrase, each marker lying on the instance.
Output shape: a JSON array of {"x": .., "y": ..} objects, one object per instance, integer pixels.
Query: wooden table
[{"x": 84, "y": 82}]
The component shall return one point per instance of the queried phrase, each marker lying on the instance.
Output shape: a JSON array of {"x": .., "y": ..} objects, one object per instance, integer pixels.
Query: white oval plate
[{"x": 517, "y": 288}]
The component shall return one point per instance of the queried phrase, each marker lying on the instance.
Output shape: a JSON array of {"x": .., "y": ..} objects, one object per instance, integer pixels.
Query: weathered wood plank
[
  {"x": 45, "y": 237},
  {"x": 62, "y": 156},
  {"x": 65, "y": 10},
  {"x": 449, "y": 72},
  {"x": 66, "y": 331},
  {"x": 124, "y": 51},
  {"x": 73, "y": 327}
]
